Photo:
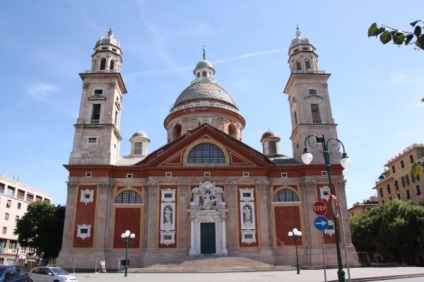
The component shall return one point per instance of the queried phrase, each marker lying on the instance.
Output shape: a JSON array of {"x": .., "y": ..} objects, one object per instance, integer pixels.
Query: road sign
[
  {"x": 319, "y": 208},
  {"x": 321, "y": 223}
]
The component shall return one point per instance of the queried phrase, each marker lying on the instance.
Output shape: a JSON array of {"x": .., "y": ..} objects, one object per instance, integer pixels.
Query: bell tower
[
  {"x": 97, "y": 137},
  {"x": 307, "y": 90}
]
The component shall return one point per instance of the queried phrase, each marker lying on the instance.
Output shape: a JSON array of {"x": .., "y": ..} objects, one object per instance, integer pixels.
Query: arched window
[
  {"x": 128, "y": 197},
  {"x": 298, "y": 65},
  {"x": 112, "y": 64},
  {"x": 204, "y": 74},
  {"x": 177, "y": 131},
  {"x": 198, "y": 74},
  {"x": 285, "y": 195},
  {"x": 103, "y": 64},
  {"x": 232, "y": 130},
  {"x": 307, "y": 64},
  {"x": 206, "y": 153}
]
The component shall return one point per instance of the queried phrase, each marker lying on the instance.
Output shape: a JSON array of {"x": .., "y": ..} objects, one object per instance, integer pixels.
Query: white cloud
[{"x": 41, "y": 90}]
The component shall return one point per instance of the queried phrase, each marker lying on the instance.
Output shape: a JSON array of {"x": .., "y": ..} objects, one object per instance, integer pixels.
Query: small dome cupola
[
  {"x": 139, "y": 144},
  {"x": 271, "y": 144},
  {"x": 107, "y": 55},
  {"x": 302, "y": 55},
  {"x": 204, "y": 70}
]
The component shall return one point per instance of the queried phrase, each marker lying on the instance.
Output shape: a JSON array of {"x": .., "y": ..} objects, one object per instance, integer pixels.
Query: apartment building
[
  {"x": 397, "y": 182},
  {"x": 14, "y": 200}
]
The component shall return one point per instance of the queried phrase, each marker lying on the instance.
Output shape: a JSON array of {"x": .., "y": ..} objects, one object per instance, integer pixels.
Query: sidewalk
[{"x": 356, "y": 274}]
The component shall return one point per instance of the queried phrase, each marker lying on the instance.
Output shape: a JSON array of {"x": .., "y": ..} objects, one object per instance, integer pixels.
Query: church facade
[{"x": 204, "y": 192}]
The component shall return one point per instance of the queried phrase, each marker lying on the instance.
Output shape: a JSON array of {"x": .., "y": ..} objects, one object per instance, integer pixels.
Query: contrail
[{"x": 222, "y": 61}]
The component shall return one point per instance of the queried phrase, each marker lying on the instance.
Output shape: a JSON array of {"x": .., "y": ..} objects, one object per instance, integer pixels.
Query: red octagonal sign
[{"x": 319, "y": 208}]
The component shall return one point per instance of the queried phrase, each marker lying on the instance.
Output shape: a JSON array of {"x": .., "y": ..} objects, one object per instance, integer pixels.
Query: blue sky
[{"x": 375, "y": 90}]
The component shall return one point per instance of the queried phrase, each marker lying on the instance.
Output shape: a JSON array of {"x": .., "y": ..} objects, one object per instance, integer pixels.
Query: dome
[
  {"x": 204, "y": 91},
  {"x": 108, "y": 40},
  {"x": 300, "y": 40},
  {"x": 270, "y": 134},
  {"x": 140, "y": 134},
  {"x": 204, "y": 64}
]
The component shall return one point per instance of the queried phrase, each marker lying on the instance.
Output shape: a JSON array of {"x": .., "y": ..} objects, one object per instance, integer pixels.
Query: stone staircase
[{"x": 211, "y": 264}]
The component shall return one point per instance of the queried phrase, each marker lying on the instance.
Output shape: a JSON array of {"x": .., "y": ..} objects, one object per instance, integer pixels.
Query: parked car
[
  {"x": 13, "y": 273},
  {"x": 51, "y": 274}
]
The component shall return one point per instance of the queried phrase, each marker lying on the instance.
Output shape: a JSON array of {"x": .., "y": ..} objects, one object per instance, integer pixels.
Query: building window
[
  {"x": 307, "y": 64},
  {"x": 92, "y": 140},
  {"x": 128, "y": 197},
  {"x": 17, "y": 218},
  {"x": 408, "y": 195},
  {"x": 285, "y": 195},
  {"x": 95, "y": 113},
  {"x": 21, "y": 194},
  {"x": 298, "y": 66},
  {"x": 388, "y": 189},
  {"x": 381, "y": 192},
  {"x": 393, "y": 169},
  {"x": 137, "y": 148},
  {"x": 272, "y": 145},
  {"x": 396, "y": 185},
  {"x": 313, "y": 92},
  {"x": 8, "y": 203},
  {"x": 19, "y": 206},
  {"x": 6, "y": 216},
  {"x": 98, "y": 91},
  {"x": 418, "y": 189},
  {"x": 402, "y": 164},
  {"x": 112, "y": 64},
  {"x": 316, "y": 117},
  {"x": 206, "y": 153},
  {"x": 405, "y": 180},
  {"x": 398, "y": 196},
  {"x": 103, "y": 64},
  {"x": 10, "y": 191},
  {"x": 4, "y": 230},
  {"x": 177, "y": 131},
  {"x": 411, "y": 158}
]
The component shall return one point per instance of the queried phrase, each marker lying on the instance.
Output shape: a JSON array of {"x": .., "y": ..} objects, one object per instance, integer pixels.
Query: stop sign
[{"x": 319, "y": 208}]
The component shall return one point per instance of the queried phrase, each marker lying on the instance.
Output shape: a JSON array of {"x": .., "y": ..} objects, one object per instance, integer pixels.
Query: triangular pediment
[{"x": 175, "y": 154}]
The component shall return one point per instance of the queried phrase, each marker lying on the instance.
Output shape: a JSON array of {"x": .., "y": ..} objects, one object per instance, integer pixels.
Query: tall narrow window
[
  {"x": 298, "y": 65},
  {"x": 95, "y": 113},
  {"x": 411, "y": 158},
  {"x": 204, "y": 74},
  {"x": 307, "y": 64},
  {"x": 295, "y": 118},
  {"x": 232, "y": 130},
  {"x": 316, "y": 118},
  {"x": 103, "y": 64},
  {"x": 116, "y": 117},
  {"x": 137, "y": 148},
  {"x": 177, "y": 131},
  {"x": 272, "y": 147},
  {"x": 112, "y": 64}
]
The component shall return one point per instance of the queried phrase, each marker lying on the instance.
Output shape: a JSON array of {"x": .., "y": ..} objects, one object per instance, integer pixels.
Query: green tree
[
  {"x": 392, "y": 232},
  {"x": 41, "y": 228},
  {"x": 388, "y": 34}
]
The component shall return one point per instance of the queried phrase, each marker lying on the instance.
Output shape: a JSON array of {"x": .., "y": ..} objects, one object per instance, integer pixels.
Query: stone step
[{"x": 212, "y": 264}]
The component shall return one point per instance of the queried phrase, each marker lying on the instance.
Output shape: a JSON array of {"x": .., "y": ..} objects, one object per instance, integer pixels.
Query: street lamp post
[
  {"x": 345, "y": 162},
  {"x": 127, "y": 236},
  {"x": 295, "y": 235}
]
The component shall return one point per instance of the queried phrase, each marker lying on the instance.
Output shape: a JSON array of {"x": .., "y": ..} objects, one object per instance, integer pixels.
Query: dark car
[{"x": 13, "y": 273}]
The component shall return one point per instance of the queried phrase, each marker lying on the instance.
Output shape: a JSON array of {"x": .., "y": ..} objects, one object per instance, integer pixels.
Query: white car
[{"x": 51, "y": 274}]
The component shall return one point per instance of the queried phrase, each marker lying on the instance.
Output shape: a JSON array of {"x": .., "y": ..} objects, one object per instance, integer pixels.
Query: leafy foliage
[
  {"x": 392, "y": 232},
  {"x": 397, "y": 36},
  {"x": 41, "y": 228}
]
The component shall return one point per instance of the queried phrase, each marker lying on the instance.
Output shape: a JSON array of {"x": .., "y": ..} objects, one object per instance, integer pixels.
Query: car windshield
[
  {"x": 2, "y": 270},
  {"x": 59, "y": 271}
]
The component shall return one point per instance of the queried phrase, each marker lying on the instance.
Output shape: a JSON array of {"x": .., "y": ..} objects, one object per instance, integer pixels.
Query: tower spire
[{"x": 204, "y": 52}]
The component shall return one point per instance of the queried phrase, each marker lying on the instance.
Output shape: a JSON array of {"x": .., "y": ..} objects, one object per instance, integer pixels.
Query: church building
[{"x": 204, "y": 192}]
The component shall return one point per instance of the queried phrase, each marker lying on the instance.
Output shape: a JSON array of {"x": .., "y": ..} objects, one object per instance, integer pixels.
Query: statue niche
[{"x": 207, "y": 196}]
